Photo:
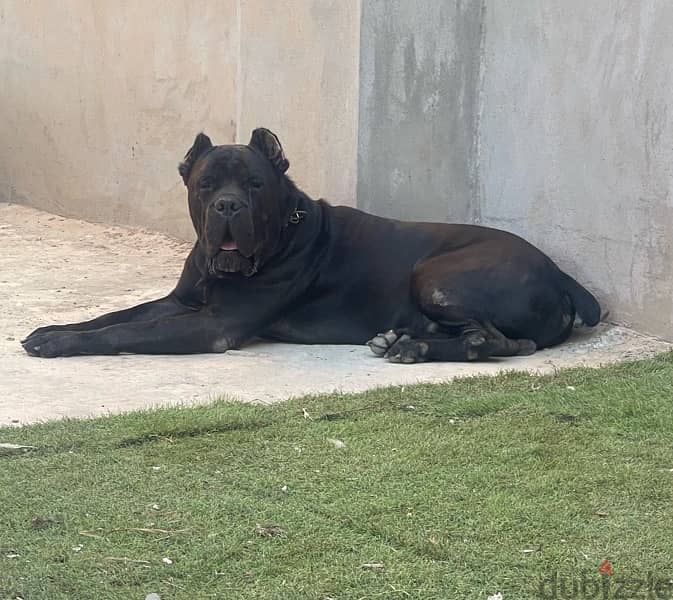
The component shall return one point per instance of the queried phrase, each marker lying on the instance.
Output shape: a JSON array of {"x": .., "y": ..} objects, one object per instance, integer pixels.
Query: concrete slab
[{"x": 55, "y": 270}]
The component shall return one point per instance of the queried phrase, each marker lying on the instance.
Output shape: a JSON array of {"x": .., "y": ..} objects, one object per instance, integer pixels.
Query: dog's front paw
[{"x": 51, "y": 344}]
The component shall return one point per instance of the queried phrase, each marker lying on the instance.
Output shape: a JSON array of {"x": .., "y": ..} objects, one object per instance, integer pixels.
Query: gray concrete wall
[
  {"x": 419, "y": 74},
  {"x": 575, "y": 143},
  {"x": 549, "y": 119},
  {"x": 100, "y": 100},
  {"x": 299, "y": 77}
]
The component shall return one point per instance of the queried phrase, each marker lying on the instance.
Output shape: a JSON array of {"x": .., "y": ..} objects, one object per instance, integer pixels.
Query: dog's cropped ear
[
  {"x": 269, "y": 145},
  {"x": 200, "y": 146}
]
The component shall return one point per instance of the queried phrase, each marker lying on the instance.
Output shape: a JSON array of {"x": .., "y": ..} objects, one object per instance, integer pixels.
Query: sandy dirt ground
[{"x": 56, "y": 270}]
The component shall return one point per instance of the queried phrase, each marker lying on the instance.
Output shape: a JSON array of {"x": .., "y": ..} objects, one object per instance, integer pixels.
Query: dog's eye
[
  {"x": 206, "y": 185},
  {"x": 255, "y": 184}
]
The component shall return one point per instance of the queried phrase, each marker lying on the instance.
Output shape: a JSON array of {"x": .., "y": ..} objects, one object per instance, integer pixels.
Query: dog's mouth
[
  {"x": 229, "y": 246},
  {"x": 228, "y": 258},
  {"x": 228, "y": 242}
]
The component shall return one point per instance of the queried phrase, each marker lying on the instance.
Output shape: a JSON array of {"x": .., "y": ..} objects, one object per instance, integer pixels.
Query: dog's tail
[{"x": 586, "y": 306}]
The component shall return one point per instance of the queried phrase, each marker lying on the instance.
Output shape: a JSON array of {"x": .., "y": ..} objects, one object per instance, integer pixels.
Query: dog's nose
[{"x": 227, "y": 206}]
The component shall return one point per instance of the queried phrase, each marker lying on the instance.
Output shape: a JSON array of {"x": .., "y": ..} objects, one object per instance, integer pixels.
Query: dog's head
[{"x": 239, "y": 200}]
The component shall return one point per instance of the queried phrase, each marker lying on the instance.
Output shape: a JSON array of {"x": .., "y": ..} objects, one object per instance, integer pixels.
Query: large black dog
[{"x": 272, "y": 263}]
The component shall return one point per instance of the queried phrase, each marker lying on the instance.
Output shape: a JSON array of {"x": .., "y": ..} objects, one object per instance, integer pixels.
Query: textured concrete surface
[
  {"x": 419, "y": 75},
  {"x": 299, "y": 77},
  {"x": 100, "y": 100},
  {"x": 55, "y": 270},
  {"x": 575, "y": 144}
]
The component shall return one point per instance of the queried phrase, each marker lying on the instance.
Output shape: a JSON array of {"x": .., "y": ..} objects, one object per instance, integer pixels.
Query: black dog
[{"x": 271, "y": 263}]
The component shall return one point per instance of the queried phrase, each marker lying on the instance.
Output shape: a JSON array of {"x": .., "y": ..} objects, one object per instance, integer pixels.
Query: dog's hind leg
[
  {"x": 469, "y": 346},
  {"x": 472, "y": 342},
  {"x": 504, "y": 346}
]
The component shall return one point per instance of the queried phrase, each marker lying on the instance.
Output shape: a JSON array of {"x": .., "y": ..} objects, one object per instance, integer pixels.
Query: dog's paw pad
[
  {"x": 408, "y": 351},
  {"x": 477, "y": 346},
  {"x": 382, "y": 342},
  {"x": 378, "y": 345}
]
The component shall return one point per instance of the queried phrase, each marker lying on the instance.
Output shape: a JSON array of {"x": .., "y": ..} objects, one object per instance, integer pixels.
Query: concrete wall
[
  {"x": 299, "y": 77},
  {"x": 100, "y": 100},
  {"x": 548, "y": 119},
  {"x": 419, "y": 75},
  {"x": 575, "y": 143}
]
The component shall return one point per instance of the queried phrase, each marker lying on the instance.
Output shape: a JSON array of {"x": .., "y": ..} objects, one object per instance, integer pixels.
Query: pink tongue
[{"x": 229, "y": 246}]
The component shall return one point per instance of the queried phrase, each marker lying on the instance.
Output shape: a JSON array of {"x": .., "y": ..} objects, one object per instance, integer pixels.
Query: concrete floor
[{"x": 56, "y": 270}]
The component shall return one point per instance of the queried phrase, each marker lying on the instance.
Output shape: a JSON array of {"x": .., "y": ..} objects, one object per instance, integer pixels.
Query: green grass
[{"x": 445, "y": 485}]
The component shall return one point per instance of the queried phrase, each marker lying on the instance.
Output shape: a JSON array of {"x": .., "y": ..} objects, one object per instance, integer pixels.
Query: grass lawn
[{"x": 517, "y": 484}]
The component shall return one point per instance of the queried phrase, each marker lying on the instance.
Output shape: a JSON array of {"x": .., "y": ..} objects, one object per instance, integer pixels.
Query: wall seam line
[
  {"x": 477, "y": 192},
  {"x": 239, "y": 73}
]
